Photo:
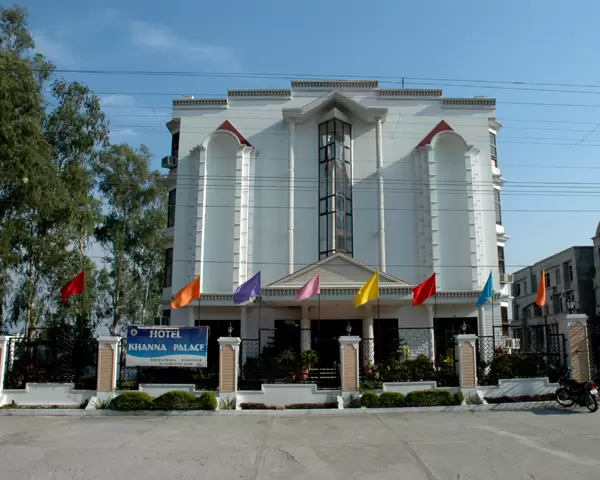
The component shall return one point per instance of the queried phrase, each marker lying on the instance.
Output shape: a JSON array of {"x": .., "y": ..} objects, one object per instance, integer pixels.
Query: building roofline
[{"x": 549, "y": 258}]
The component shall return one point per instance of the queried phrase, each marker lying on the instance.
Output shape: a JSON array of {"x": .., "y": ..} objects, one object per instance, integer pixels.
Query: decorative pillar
[
  {"x": 380, "y": 191},
  {"x": 574, "y": 328},
  {"x": 431, "y": 339},
  {"x": 109, "y": 349},
  {"x": 368, "y": 337},
  {"x": 229, "y": 349},
  {"x": 349, "y": 363},
  {"x": 291, "y": 130},
  {"x": 305, "y": 343},
  {"x": 4, "y": 339},
  {"x": 481, "y": 321},
  {"x": 465, "y": 355}
]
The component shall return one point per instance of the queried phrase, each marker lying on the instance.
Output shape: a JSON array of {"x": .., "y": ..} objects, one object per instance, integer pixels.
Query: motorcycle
[{"x": 585, "y": 394}]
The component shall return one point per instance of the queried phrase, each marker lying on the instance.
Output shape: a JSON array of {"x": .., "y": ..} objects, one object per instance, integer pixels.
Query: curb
[{"x": 498, "y": 407}]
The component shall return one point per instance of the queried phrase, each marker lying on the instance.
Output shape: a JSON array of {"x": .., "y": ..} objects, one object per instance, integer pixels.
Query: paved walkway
[{"x": 465, "y": 445}]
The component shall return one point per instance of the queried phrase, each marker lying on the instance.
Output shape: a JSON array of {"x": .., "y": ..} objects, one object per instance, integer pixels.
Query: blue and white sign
[{"x": 166, "y": 347}]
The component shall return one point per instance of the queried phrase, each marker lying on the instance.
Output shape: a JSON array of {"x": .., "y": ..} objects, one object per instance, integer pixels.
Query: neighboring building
[
  {"x": 570, "y": 272},
  {"x": 342, "y": 177},
  {"x": 596, "y": 240}
]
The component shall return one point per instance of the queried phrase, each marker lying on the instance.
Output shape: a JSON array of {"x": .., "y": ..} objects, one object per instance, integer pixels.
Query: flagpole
[{"x": 493, "y": 322}]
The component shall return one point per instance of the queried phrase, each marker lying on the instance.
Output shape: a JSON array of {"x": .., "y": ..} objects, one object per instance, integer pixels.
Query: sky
[{"x": 547, "y": 149}]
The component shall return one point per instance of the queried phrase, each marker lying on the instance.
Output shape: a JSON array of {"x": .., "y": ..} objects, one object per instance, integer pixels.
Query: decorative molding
[
  {"x": 200, "y": 102},
  {"x": 174, "y": 125},
  {"x": 468, "y": 102},
  {"x": 335, "y": 84},
  {"x": 408, "y": 92},
  {"x": 279, "y": 93},
  {"x": 494, "y": 125}
]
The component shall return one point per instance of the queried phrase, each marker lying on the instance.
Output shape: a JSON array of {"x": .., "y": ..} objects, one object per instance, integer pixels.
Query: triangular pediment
[
  {"x": 335, "y": 99},
  {"x": 336, "y": 271}
]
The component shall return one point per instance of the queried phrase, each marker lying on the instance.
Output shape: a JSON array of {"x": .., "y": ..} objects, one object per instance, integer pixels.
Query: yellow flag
[
  {"x": 369, "y": 291},
  {"x": 187, "y": 294}
]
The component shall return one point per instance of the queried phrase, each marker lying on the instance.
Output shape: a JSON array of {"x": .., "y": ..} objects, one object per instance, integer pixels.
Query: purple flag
[{"x": 248, "y": 289}]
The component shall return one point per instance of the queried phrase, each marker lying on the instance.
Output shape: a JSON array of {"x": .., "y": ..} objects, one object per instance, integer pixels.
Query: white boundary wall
[{"x": 65, "y": 394}]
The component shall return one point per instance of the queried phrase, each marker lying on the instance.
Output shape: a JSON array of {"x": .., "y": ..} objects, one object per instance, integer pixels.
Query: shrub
[
  {"x": 257, "y": 406},
  {"x": 459, "y": 398},
  {"x": 371, "y": 384},
  {"x": 228, "y": 403},
  {"x": 391, "y": 399},
  {"x": 310, "y": 406},
  {"x": 132, "y": 401},
  {"x": 176, "y": 401},
  {"x": 369, "y": 400},
  {"x": 549, "y": 397},
  {"x": 430, "y": 398},
  {"x": 207, "y": 401},
  {"x": 353, "y": 401},
  {"x": 519, "y": 366}
]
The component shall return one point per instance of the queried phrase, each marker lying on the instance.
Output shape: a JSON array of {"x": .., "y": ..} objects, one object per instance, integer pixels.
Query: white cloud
[
  {"x": 117, "y": 101},
  {"x": 161, "y": 39},
  {"x": 53, "y": 49},
  {"x": 124, "y": 132}
]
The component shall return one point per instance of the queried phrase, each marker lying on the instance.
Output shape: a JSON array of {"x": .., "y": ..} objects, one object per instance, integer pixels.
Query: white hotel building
[{"x": 343, "y": 177}]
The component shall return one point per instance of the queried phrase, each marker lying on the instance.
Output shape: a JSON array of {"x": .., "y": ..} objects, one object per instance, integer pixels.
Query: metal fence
[
  {"x": 52, "y": 356},
  {"x": 544, "y": 355}
]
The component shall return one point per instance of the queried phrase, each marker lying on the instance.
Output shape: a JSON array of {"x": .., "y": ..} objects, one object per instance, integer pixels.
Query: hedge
[
  {"x": 132, "y": 401},
  {"x": 310, "y": 406},
  {"x": 422, "y": 398},
  {"x": 257, "y": 406},
  {"x": 547, "y": 397},
  {"x": 176, "y": 401}
]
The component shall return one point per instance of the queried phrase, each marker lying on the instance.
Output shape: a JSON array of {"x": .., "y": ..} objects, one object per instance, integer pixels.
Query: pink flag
[{"x": 310, "y": 289}]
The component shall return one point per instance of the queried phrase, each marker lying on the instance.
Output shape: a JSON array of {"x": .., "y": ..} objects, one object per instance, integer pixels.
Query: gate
[{"x": 52, "y": 356}]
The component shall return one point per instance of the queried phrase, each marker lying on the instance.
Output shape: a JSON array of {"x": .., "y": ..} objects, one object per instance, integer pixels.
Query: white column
[
  {"x": 368, "y": 340},
  {"x": 481, "y": 321},
  {"x": 381, "y": 206},
  {"x": 3, "y": 361},
  {"x": 431, "y": 333},
  {"x": 305, "y": 330},
  {"x": 291, "y": 130}
]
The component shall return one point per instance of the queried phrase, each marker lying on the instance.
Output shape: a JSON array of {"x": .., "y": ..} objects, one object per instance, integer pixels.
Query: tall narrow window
[
  {"x": 175, "y": 145},
  {"x": 498, "y": 205},
  {"x": 501, "y": 265},
  {"x": 171, "y": 208},
  {"x": 493, "y": 149},
  {"x": 168, "y": 267},
  {"x": 335, "y": 189}
]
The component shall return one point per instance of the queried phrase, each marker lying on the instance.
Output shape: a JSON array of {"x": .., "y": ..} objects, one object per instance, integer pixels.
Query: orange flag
[
  {"x": 187, "y": 294},
  {"x": 541, "y": 294}
]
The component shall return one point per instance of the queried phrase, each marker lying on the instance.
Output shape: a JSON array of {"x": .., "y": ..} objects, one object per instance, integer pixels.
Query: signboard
[{"x": 166, "y": 346}]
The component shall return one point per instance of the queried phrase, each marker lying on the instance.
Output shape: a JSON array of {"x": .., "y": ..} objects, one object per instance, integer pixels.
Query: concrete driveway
[{"x": 484, "y": 445}]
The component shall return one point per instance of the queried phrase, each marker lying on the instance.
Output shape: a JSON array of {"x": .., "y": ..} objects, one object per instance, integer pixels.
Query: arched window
[{"x": 335, "y": 188}]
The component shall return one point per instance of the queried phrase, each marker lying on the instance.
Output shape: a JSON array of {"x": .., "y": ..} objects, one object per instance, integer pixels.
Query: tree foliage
[{"x": 54, "y": 140}]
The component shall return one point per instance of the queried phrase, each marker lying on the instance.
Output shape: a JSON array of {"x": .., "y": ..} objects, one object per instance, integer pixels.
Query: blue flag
[
  {"x": 487, "y": 292},
  {"x": 248, "y": 289}
]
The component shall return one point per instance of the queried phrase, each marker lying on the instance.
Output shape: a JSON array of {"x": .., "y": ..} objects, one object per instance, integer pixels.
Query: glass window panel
[
  {"x": 323, "y": 180},
  {"x": 330, "y": 152},
  {"x": 339, "y": 222},
  {"x": 492, "y": 138},
  {"x": 348, "y": 206},
  {"x": 339, "y": 131},
  {"x": 347, "y": 135},
  {"x": 339, "y": 151},
  {"x": 322, "y": 135},
  {"x": 322, "y": 233},
  {"x": 322, "y": 154},
  {"x": 494, "y": 152},
  {"x": 339, "y": 207},
  {"x": 347, "y": 156}
]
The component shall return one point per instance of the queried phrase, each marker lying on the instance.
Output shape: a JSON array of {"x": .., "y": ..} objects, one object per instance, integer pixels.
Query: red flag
[
  {"x": 74, "y": 287},
  {"x": 424, "y": 291}
]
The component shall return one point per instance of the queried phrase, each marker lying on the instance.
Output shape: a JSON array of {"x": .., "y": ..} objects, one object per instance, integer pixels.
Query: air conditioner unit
[
  {"x": 507, "y": 278},
  {"x": 169, "y": 162}
]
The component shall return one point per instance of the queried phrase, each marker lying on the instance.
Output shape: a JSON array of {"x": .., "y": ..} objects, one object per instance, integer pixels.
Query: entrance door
[
  {"x": 385, "y": 331},
  {"x": 325, "y": 334}
]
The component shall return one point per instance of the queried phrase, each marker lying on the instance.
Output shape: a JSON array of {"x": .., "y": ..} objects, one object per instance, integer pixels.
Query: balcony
[{"x": 506, "y": 278}]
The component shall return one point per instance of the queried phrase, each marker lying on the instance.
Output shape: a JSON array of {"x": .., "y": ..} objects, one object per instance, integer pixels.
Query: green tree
[
  {"x": 130, "y": 232},
  {"x": 23, "y": 148}
]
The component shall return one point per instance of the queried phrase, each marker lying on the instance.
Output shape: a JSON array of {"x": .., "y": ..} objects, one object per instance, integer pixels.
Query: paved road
[{"x": 465, "y": 445}]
